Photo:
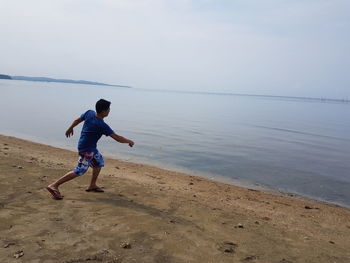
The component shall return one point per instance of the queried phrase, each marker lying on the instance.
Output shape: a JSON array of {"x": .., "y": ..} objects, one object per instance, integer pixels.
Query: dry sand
[{"x": 152, "y": 215}]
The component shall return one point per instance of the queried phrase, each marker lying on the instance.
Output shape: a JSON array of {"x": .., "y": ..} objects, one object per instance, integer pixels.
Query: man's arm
[
  {"x": 121, "y": 139},
  {"x": 70, "y": 132}
]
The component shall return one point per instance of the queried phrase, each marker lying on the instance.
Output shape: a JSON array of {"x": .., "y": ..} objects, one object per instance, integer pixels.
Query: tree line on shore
[{"x": 3, "y": 76}]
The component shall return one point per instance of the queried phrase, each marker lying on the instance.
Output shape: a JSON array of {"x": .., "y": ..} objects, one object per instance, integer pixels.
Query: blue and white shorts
[{"x": 88, "y": 159}]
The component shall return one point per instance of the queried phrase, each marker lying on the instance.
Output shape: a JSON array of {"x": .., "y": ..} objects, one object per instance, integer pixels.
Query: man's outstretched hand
[
  {"x": 121, "y": 139},
  {"x": 69, "y": 132}
]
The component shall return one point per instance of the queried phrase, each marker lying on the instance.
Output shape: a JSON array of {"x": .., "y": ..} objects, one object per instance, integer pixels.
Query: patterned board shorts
[{"x": 88, "y": 159}]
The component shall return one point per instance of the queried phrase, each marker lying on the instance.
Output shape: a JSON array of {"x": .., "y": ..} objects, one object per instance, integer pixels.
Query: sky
[{"x": 277, "y": 47}]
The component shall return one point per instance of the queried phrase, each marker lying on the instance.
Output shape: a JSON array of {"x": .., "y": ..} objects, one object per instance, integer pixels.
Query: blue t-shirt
[{"x": 92, "y": 131}]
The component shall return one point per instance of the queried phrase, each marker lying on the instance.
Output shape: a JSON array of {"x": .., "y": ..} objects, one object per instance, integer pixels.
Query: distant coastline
[
  {"x": 292, "y": 98},
  {"x": 296, "y": 98},
  {"x": 45, "y": 79},
  {"x": 2, "y": 76}
]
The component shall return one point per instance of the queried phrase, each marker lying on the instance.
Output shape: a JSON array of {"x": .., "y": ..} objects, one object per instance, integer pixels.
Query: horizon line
[{"x": 320, "y": 99}]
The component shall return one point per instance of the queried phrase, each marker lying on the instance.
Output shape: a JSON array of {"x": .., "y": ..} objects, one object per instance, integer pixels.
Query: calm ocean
[{"x": 289, "y": 145}]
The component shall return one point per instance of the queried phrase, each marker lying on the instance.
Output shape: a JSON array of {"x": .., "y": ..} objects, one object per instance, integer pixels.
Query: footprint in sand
[{"x": 227, "y": 247}]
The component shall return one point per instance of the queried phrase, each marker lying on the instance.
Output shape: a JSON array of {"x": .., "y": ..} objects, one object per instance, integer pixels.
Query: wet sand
[{"x": 147, "y": 214}]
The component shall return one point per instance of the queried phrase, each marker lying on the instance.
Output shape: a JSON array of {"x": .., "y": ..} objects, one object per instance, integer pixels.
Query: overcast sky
[{"x": 280, "y": 47}]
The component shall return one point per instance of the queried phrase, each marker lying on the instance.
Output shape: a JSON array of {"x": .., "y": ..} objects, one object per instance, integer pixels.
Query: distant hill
[
  {"x": 44, "y": 79},
  {"x": 2, "y": 76}
]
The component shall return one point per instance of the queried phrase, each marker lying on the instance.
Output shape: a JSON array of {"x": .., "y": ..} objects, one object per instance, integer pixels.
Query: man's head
[{"x": 102, "y": 107}]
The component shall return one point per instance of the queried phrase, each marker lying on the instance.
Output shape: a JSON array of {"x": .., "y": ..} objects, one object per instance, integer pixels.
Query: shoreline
[
  {"x": 183, "y": 170},
  {"x": 164, "y": 216},
  {"x": 222, "y": 179}
]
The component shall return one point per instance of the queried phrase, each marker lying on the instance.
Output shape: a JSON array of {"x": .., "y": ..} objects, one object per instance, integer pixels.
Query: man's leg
[
  {"x": 82, "y": 167},
  {"x": 95, "y": 173},
  {"x": 53, "y": 188},
  {"x": 67, "y": 177}
]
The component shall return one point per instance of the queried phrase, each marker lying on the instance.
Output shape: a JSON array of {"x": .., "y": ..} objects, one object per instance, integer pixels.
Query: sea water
[{"x": 291, "y": 145}]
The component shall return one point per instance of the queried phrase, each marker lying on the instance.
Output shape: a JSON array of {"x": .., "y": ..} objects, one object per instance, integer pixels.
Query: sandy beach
[{"x": 147, "y": 214}]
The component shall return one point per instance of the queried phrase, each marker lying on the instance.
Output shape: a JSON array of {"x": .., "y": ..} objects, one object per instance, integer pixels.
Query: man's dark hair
[{"x": 102, "y": 105}]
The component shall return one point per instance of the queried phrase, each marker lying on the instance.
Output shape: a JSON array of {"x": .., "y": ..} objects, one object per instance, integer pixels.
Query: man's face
[{"x": 106, "y": 112}]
